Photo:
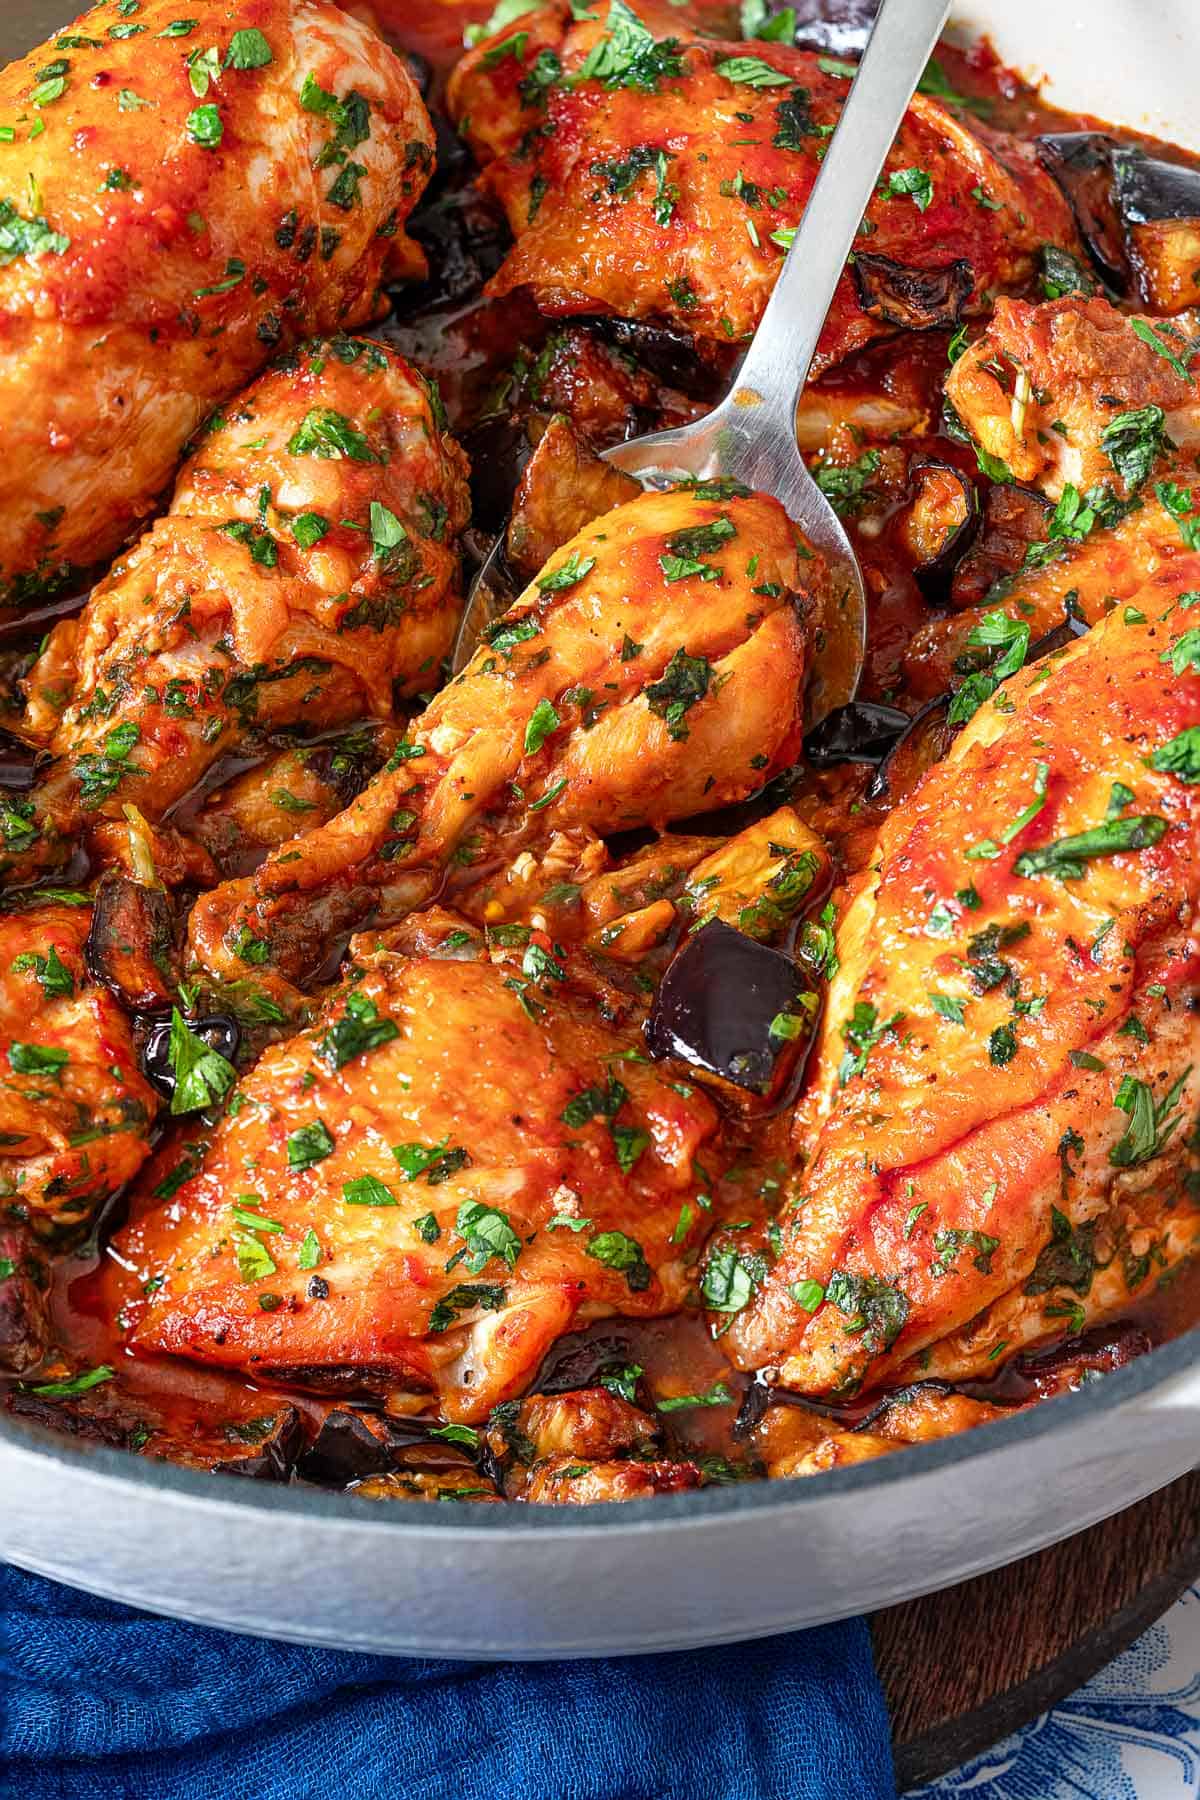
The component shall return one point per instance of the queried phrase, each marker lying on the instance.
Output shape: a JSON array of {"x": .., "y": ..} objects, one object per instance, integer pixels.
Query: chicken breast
[
  {"x": 182, "y": 196},
  {"x": 655, "y": 669},
  {"x": 422, "y": 1191},
  {"x": 663, "y": 177},
  {"x": 1011, "y": 1048},
  {"x": 306, "y": 574}
]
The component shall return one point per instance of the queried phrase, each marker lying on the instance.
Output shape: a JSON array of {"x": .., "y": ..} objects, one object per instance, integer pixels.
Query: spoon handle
[{"x": 778, "y": 360}]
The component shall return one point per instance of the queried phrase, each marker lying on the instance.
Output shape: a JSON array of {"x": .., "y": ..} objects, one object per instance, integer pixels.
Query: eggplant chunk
[
  {"x": 1159, "y": 204},
  {"x": 1081, "y": 164},
  {"x": 129, "y": 946},
  {"x": 734, "y": 1011},
  {"x": 24, "y": 1300},
  {"x": 912, "y": 299},
  {"x": 940, "y": 526}
]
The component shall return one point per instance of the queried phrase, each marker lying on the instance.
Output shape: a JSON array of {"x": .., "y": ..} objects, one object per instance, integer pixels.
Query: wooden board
[{"x": 962, "y": 1669}]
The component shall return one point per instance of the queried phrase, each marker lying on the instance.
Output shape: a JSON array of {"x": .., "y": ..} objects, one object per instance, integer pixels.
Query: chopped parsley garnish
[
  {"x": 308, "y": 1145},
  {"x": 53, "y": 976},
  {"x": 205, "y": 127},
  {"x": 861, "y": 1032},
  {"x": 308, "y": 528},
  {"x": 27, "y": 237},
  {"x": 309, "y": 1255},
  {"x": 1133, "y": 443},
  {"x": 847, "y": 488},
  {"x": 623, "y": 1254},
  {"x": 730, "y": 1279},
  {"x": 99, "y": 773},
  {"x": 629, "y": 56},
  {"x": 358, "y": 1030},
  {"x": 436, "y": 1162},
  {"x": 917, "y": 183},
  {"x": 1151, "y": 1123},
  {"x": 202, "y": 1075},
  {"x": 329, "y": 434},
  {"x": 794, "y": 122},
  {"x": 684, "y": 681},
  {"x": 1067, "y": 857},
  {"x": 541, "y": 722},
  {"x": 37, "y": 1059},
  {"x": 367, "y": 1190},
  {"x": 486, "y": 1233},
  {"x": 717, "y": 1395},
  {"x": 751, "y": 71},
  {"x": 567, "y": 575},
  {"x": 874, "y": 1307},
  {"x": 77, "y": 1384},
  {"x": 1180, "y": 757},
  {"x": 465, "y": 1297},
  {"x": 594, "y": 1102},
  {"x": 995, "y": 631},
  {"x": 248, "y": 49},
  {"x": 808, "y": 1295},
  {"x": 1158, "y": 341},
  {"x": 949, "y": 1243},
  {"x": 1062, "y": 274}
]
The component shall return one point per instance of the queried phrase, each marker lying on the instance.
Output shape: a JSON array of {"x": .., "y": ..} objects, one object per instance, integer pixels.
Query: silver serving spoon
[{"x": 751, "y": 435}]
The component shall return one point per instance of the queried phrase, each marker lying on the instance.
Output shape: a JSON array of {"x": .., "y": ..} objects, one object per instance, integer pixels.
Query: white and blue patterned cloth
[{"x": 1131, "y": 1734}]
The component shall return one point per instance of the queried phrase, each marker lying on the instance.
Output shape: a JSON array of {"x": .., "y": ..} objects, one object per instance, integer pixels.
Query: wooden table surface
[{"x": 962, "y": 1669}]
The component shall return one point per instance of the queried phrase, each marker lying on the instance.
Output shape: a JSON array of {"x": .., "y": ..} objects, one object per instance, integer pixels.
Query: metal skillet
[{"x": 681, "y": 1570}]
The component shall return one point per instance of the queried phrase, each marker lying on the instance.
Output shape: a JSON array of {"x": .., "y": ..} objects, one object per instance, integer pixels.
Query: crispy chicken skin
[
  {"x": 655, "y": 187},
  {"x": 305, "y": 574},
  {"x": 629, "y": 685},
  {"x": 196, "y": 198},
  {"x": 75, "y": 1111},
  {"x": 454, "y": 1163},
  {"x": 1011, "y": 1047}
]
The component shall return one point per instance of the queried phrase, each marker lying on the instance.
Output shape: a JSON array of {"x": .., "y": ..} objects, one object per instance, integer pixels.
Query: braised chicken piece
[
  {"x": 189, "y": 200},
  {"x": 1074, "y": 392},
  {"x": 1100, "y": 413},
  {"x": 305, "y": 574},
  {"x": 654, "y": 670},
  {"x": 417, "y": 1195},
  {"x": 1010, "y": 1054},
  {"x": 663, "y": 177},
  {"x": 75, "y": 1110}
]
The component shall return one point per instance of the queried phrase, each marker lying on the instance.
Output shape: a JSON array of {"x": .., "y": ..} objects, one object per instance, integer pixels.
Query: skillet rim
[{"x": 124, "y": 1469}]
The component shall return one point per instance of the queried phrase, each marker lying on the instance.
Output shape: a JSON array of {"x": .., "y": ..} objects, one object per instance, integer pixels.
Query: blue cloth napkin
[{"x": 100, "y": 1702}]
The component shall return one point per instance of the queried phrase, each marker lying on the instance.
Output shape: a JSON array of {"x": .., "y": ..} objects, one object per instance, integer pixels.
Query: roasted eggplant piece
[
  {"x": 909, "y": 298},
  {"x": 1013, "y": 519},
  {"x": 941, "y": 526},
  {"x": 864, "y": 731},
  {"x": 1159, "y": 205},
  {"x": 1081, "y": 164},
  {"x": 924, "y": 741},
  {"x": 263, "y": 1449},
  {"x": 129, "y": 946},
  {"x": 220, "y": 1031},
  {"x": 24, "y": 1299},
  {"x": 735, "y": 1011},
  {"x": 349, "y": 1447}
]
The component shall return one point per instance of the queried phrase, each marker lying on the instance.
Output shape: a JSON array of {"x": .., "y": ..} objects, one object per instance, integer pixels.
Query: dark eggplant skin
[
  {"x": 129, "y": 946},
  {"x": 668, "y": 354},
  {"x": 715, "y": 1007},
  {"x": 270, "y": 1452},
  {"x": 1159, "y": 206},
  {"x": 219, "y": 1030},
  {"x": 1081, "y": 163},
  {"x": 1147, "y": 190},
  {"x": 912, "y": 299},
  {"x": 578, "y": 1360},
  {"x": 349, "y": 1447},
  {"x": 864, "y": 731},
  {"x": 24, "y": 1300},
  {"x": 935, "y": 575}
]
